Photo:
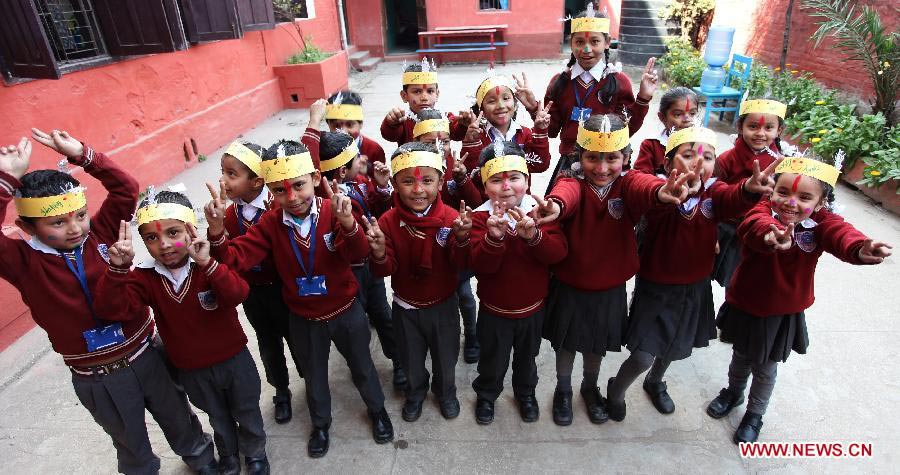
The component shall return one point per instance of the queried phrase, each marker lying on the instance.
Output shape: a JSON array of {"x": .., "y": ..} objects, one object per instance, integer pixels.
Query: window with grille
[
  {"x": 493, "y": 4},
  {"x": 71, "y": 29}
]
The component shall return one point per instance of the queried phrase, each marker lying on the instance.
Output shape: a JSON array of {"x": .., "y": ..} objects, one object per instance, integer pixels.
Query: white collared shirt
[
  {"x": 175, "y": 276},
  {"x": 663, "y": 137},
  {"x": 493, "y": 132},
  {"x": 39, "y": 245},
  {"x": 598, "y": 72},
  {"x": 692, "y": 201},
  {"x": 527, "y": 204},
  {"x": 303, "y": 226},
  {"x": 249, "y": 210}
]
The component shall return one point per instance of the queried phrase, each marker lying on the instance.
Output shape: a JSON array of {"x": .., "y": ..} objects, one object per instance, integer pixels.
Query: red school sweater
[
  {"x": 599, "y": 227},
  {"x": 532, "y": 142},
  {"x": 651, "y": 157},
  {"x": 335, "y": 250},
  {"x": 679, "y": 246},
  {"x": 736, "y": 164},
  {"x": 266, "y": 273},
  {"x": 448, "y": 257},
  {"x": 373, "y": 151},
  {"x": 51, "y": 290},
  {"x": 561, "y": 111},
  {"x": 198, "y": 323},
  {"x": 767, "y": 282},
  {"x": 403, "y": 133},
  {"x": 514, "y": 274}
]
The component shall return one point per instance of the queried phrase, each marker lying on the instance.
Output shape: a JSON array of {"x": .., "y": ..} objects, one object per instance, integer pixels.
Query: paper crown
[
  {"x": 690, "y": 135},
  {"x": 428, "y": 74},
  {"x": 157, "y": 211},
  {"x": 506, "y": 163},
  {"x": 343, "y": 112},
  {"x": 599, "y": 25},
  {"x": 285, "y": 168},
  {"x": 246, "y": 156},
  {"x": 809, "y": 167},
  {"x": 46, "y": 206},
  {"x": 431, "y": 125},
  {"x": 763, "y": 106},
  {"x": 491, "y": 82},
  {"x": 348, "y": 154},
  {"x": 417, "y": 158},
  {"x": 602, "y": 141}
]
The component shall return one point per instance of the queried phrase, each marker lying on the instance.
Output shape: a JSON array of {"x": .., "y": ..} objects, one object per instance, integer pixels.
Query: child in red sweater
[
  {"x": 313, "y": 241},
  {"x": 511, "y": 257},
  {"x": 193, "y": 299},
  {"x": 265, "y": 309},
  {"x": 678, "y": 108},
  {"x": 118, "y": 369},
  {"x": 763, "y": 314},
  {"x": 586, "y": 308},
  {"x": 423, "y": 244},
  {"x": 344, "y": 113},
  {"x": 760, "y": 124},
  {"x": 672, "y": 307}
]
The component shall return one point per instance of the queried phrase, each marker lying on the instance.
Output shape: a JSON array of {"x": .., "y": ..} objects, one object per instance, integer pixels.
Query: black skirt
[
  {"x": 729, "y": 255},
  {"x": 668, "y": 321},
  {"x": 585, "y": 321},
  {"x": 763, "y": 339}
]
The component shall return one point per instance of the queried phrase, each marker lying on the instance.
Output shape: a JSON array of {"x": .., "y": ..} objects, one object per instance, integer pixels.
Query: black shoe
[
  {"x": 229, "y": 465},
  {"x": 595, "y": 404},
  {"x": 724, "y": 403},
  {"x": 282, "y": 400},
  {"x": 382, "y": 429},
  {"x": 748, "y": 430},
  {"x": 484, "y": 411},
  {"x": 257, "y": 466},
  {"x": 660, "y": 397},
  {"x": 212, "y": 468},
  {"x": 399, "y": 378},
  {"x": 471, "y": 350},
  {"x": 528, "y": 408},
  {"x": 450, "y": 408},
  {"x": 318, "y": 443},
  {"x": 615, "y": 410},
  {"x": 411, "y": 410},
  {"x": 562, "y": 407}
]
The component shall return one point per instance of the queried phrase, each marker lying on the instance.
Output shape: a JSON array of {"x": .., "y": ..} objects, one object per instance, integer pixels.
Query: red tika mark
[
  {"x": 287, "y": 189},
  {"x": 505, "y": 177},
  {"x": 761, "y": 122},
  {"x": 796, "y": 182},
  {"x": 687, "y": 104},
  {"x": 587, "y": 35},
  {"x": 700, "y": 150},
  {"x": 158, "y": 227},
  {"x": 417, "y": 172},
  {"x": 71, "y": 213}
]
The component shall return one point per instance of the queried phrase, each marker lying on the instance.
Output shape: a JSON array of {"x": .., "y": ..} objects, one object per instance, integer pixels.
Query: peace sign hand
[
  {"x": 215, "y": 209},
  {"x": 874, "y": 252},
  {"x": 526, "y": 227},
  {"x": 524, "y": 93},
  {"x": 375, "y": 237},
  {"x": 474, "y": 129},
  {"x": 59, "y": 141},
  {"x": 649, "y": 80},
  {"x": 14, "y": 159},
  {"x": 496, "y": 223},
  {"x": 341, "y": 204},
  {"x": 542, "y": 119},
  {"x": 463, "y": 223},
  {"x": 675, "y": 191},
  {"x": 762, "y": 183},
  {"x": 121, "y": 254},
  {"x": 546, "y": 211},
  {"x": 197, "y": 247},
  {"x": 778, "y": 239}
]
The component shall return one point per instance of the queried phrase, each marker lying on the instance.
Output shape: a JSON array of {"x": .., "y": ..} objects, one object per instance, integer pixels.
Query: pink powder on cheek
[
  {"x": 178, "y": 244},
  {"x": 807, "y": 210}
]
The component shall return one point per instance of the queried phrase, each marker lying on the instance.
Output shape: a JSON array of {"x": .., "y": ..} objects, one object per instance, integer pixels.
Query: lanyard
[
  {"x": 580, "y": 100},
  {"x": 356, "y": 195},
  {"x": 78, "y": 269},
  {"x": 312, "y": 247},
  {"x": 240, "y": 217}
]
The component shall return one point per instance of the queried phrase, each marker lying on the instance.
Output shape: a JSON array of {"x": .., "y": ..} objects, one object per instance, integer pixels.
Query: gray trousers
[
  {"x": 764, "y": 375},
  {"x": 269, "y": 316},
  {"x": 350, "y": 333},
  {"x": 434, "y": 329},
  {"x": 229, "y": 394},
  {"x": 117, "y": 402},
  {"x": 498, "y": 337}
]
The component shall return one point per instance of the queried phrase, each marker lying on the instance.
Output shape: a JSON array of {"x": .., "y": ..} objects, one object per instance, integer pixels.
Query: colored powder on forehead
[
  {"x": 700, "y": 150},
  {"x": 687, "y": 104},
  {"x": 287, "y": 189},
  {"x": 417, "y": 172},
  {"x": 158, "y": 227},
  {"x": 497, "y": 91},
  {"x": 761, "y": 122},
  {"x": 796, "y": 182}
]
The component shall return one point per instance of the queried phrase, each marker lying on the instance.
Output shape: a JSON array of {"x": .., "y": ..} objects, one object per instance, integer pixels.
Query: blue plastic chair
[{"x": 728, "y": 93}]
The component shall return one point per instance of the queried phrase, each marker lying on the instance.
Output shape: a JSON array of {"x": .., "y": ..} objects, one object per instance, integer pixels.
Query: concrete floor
[{"x": 844, "y": 390}]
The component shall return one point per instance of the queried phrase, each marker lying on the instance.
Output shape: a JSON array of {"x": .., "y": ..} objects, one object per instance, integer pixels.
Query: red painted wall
[
  {"x": 366, "y": 25},
  {"x": 143, "y": 110},
  {"x": 827, "y": 64}
]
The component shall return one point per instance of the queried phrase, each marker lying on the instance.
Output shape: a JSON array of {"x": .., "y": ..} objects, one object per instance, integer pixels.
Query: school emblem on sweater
[
  {"x": 616, "y": 208},
  {"x": 329, "y": 241},
  {"x": 441, "y": 236},
  {"x": 706, "y": 207},
  {"x": 208, "y": 300},
  {"x": 103, "y": 249},
  {"x": 806, "y": 240}
]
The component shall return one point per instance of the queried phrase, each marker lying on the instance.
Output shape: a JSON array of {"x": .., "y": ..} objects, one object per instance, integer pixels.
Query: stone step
[
  {"x": 655, "y": 4},
  {"x": 369, "y": 63},
  {"x": 633, "y": 30},
  {"x": 637, "y": 21},
  {"x": 640, "y": 12},
  {"x": 359, "y": 55},
  {"x": 656, "y": 50},
  {"x": 636, "y": 59},
  {"x": 644, "y": 39}
]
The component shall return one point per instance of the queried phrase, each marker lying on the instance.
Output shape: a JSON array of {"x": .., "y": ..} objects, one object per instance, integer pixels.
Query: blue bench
[{"x": 468, "y": 40}]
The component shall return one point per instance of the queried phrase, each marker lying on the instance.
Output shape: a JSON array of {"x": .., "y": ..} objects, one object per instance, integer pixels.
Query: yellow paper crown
[
  {"x": 343, "y": 112},
  {"x": 349, "y": 153},
  {"x": 809, "y": 167},
  {"x": 506, "y": 163},
  {"x": 690, "y": 135},
  {"x": 246, "y": 156},
  {"x": 158, "y": 211},
  {"x": 602, "y": 141},
  {"x": 491, "y": 83},
  {"x": 47, "y": 206},
  {"x": 420, "y": 77},
  {"x": 763, "y": 106},
  {"x": 599, "y": 25},
  {"x": 431, "y": 125},
  {"x": 285, "y": 168},
  {"x": 417, "y": 158}
]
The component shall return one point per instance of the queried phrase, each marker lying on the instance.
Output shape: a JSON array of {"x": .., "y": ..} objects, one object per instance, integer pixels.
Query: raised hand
[
  {"x": 382, "y": 174},
  {"x": 473, "y": 131},
  {"x": 459, "y": 168},
  {"x": 496, "y": 222},
  {"x": 395, "y": 116},
  {"x": 874, "y": 252},
  {"x": 14, "y": 159},
  {"x": 375, "y": 237},
  {"x": 197, "y": 247},
  {"x": 215, "y": 209},
  {"x": 121, "y": 254},
  {"x": 526, "y": 227},
  {"x": 341, "y": 204},
  {"x": 546, "y": 210},
  {"x": 675, "y": 191},
  {"x": 761, "y": 182},
  {"x": 542, "y": 117},
  {"x": 317, "y": 113},
  {"x": 649, "y": 80},
  {"x": 524, "y": 93},
  {"x": 696, "y": 183},
  {"x": 463, "y": 223},
  {"x": 780, "y": 240},
  {"x": 59, "y": 141}
]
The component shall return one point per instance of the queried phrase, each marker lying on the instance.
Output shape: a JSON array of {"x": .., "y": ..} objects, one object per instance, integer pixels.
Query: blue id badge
[
  {"x": 311, "y": 286},
  {"x": 580, "y": 113},
  {"x": 103, "y": 337}
]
